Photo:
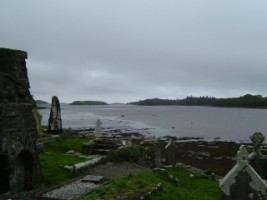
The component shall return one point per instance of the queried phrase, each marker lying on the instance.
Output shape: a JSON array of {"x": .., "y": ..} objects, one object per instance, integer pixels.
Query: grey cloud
[{"x": 120, "y": 50}]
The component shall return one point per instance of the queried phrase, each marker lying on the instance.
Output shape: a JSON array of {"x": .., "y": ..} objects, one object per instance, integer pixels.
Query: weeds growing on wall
[{"x": 128, "y": 154}]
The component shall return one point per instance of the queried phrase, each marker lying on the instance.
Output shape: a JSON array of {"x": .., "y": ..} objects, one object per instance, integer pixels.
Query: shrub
[{"x": 128, "y": 154}]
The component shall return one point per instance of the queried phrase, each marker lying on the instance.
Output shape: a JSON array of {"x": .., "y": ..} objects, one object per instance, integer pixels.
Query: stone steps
[{"x": 100, "y": 146}]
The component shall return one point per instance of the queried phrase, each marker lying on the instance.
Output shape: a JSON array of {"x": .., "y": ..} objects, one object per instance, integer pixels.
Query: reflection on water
[{"x": 192, "y": 121}]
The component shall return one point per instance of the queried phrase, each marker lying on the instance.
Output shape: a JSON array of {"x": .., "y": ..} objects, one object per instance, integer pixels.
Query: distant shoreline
[
  {"x": 88, "y": 103},
  {"x": 246, "y": 101}
]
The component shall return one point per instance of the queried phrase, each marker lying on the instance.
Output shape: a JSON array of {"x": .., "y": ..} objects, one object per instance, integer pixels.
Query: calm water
[{"x": 197, "y": 121}]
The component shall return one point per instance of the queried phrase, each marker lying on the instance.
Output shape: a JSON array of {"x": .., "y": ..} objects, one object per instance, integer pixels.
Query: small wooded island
[{"x": 88, "y": 103}]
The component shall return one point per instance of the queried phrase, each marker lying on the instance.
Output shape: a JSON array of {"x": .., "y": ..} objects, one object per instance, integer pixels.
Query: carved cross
[{"x": 257, "y": 139}]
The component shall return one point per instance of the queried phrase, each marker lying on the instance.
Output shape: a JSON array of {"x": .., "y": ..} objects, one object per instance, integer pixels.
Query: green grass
[
  {"x": 196, "y": 188},
  {"x": 44, "y": 127},
  {"x": 54, "y": 158},
  {"x": 65, "y": 144}
]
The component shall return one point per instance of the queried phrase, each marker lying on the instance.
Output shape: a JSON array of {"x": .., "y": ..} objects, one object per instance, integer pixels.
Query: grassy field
[
  {"x": 198, "y": 187},
  {"x": 53, "y": 158}
]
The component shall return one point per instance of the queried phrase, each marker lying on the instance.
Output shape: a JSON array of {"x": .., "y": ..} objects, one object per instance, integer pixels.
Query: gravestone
[
  {"x": 152, "y": 155},
  {"x": 38, "y": 120},
  {"x": 257, "y": 160},
  {"x": 243, "y": 182},
  {"x": 98, "y": 129},
  {"x": 93, "y": 179},
  {"x": 157, "y": 154},
  {"x": 257, "y": 139},
  {"x": 55, "y": 122},
  {"x": 170, "y": 150},
  {"x": 19, "y": 162}
]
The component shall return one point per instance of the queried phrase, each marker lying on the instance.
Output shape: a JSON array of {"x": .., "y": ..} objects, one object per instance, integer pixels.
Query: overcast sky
[{"x": 128, "y": 50}]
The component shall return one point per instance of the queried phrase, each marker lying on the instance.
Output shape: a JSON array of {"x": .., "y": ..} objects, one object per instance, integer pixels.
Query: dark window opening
[{"x": 4, "y": 174}]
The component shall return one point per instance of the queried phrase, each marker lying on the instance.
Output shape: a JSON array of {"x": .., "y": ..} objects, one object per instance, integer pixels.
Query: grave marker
[
  {"x": 98, "y": 129},
  {"x": 55, "y": 122},
  {"x": 170, "y": 150},
  {"x": 243, "y": 182}
]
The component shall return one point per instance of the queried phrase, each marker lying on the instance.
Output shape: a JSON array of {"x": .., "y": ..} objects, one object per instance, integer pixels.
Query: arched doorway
[
  {"x": 24, "y": 170},
  {"x": 4, "y": 174}
]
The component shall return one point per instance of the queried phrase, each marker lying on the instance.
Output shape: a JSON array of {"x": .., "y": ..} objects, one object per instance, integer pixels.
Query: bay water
[{"x": 211, "y": 123}]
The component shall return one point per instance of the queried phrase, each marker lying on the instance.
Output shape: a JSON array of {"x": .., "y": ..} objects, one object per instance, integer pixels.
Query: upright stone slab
[
  {"x": 170, "y": 150},
  {"x": 158, "y": 154},
  {"x": 19, "y": 163},
  {"x": 152, "y": 154},
  {"x": 55, "y": 122},
  {"x": 38, "y": 119},
  {"x": 98, "y": 129}
]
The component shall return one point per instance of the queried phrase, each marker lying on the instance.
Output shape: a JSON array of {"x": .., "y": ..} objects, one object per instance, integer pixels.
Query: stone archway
[{"x": 4, "y": 174}]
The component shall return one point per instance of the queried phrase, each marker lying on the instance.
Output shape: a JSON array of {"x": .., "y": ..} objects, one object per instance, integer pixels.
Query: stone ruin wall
[{"x": 19, "y": 166}]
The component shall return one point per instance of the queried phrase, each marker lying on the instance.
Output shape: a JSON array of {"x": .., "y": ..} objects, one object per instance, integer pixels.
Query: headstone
[
  {"x": 98, "y": 129},
  {"x": 257, "y": 160},
  {"x": 157, "y": 154},
  {"x": 170, "y": 150},
  {"x": 257, "y": 139},
  {"x": 152, "y": 155},
  {"x": 93, "y": 179},
  {"x": 242, "y": 182},
  {"x": 55, "y": 122},
  {"x": 19, "y": 162},
  {"x": 38, "y": 120}
]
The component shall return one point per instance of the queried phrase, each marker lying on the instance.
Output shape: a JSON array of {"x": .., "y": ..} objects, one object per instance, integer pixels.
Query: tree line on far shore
[
  {"x": 88, "y": 103},
  {"x": 248, "y": 101}
]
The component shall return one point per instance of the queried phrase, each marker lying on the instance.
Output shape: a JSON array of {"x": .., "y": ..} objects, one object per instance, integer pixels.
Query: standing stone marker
[
  {"x": 98, "y": 129},
  {"x": 157, "y": 154},
  {"x": 243, "y": 182},
  {"x": 152, "y": 154},
  {"x": 55, "y": 122},
  {"x": 19, "y": 163},
  {"x": 170, "y": 150}
]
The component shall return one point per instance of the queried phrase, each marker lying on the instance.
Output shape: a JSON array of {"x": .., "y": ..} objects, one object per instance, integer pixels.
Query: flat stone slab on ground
[
  {"x": 93, "y": 179},
  {"x": 70, "y": 191}
]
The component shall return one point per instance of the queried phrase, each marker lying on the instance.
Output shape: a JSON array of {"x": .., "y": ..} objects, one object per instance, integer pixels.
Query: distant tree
[{"x": 248, "y": 100}]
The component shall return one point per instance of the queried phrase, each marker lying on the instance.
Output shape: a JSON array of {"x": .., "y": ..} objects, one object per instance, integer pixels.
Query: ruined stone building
[{"x": 19, "y": 164}]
